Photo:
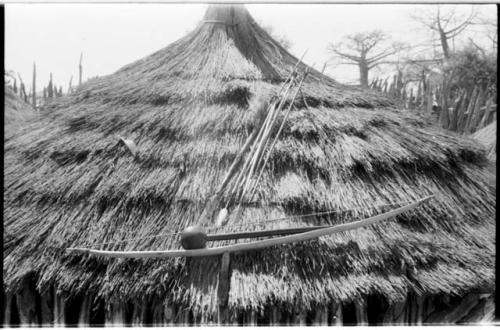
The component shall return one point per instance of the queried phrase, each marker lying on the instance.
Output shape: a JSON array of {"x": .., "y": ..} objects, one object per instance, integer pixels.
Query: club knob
[{"x": 193, "y": 237}]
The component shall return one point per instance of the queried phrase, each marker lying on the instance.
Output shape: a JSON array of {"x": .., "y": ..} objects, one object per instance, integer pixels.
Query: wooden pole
[
  {"x": 462, "y": 117},
  {"x": 269, "y": 151},
  {"x": 456, "y": 109},
  {"x": 26, "y": 302},
  {"x": 223, "y": 288},
  {"x": 59, "y": 309},
  {"x": 169, "y": 313},
  {"x": 69, "y": 85},
  {"x": 468, "y": 113},
  {"x": 7, "y": 318},
  {"x": 245, "y": 166},
  {"x": 158, "y": 314},
  {"x": 275, "y": 317},
  {"x": 477, "y": 112},
  {"x": 428, "y": 100},
  {"x": 338, "y": 318},
  {"x": 115, "y": 315},
  {"x": 321, "y": 316},
  {"x": 139, "y": 313},
  {"x": 50, "y": 88},
  {"x": 488, "y": 109},
  {"x": 85, "y": 310},
  {"x": 80, "y": 69},
  {"x": 361, "y": 313},
  {"x": 396, "y": 314},
  {"x": 47, "y": 307},
  {"x": 33, "y": 101}
]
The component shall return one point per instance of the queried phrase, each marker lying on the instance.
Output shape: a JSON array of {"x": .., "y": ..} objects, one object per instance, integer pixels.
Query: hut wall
[
  {"x": 51, "y": 307},
  {"x": 472, "y": 308}
]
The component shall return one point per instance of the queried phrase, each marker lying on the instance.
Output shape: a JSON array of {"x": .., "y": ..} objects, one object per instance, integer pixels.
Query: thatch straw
[
  {"x": 488, "y": 137},
  {"x": 16, "y": 111},
  {"x": 68, "y": 183}
]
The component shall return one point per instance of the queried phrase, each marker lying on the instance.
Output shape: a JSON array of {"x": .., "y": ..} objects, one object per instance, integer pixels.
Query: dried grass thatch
[
  {"x": 16, "y": 111},
  {"x": 488, "y": 137},
  {"x": 69, "y": 182}
]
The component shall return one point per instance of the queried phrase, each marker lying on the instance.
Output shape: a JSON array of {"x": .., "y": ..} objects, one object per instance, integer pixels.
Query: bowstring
[{"x": 287, "y": 218}]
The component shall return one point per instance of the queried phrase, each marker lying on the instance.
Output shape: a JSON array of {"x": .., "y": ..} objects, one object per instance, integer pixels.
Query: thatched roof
[
  {"x": 16, "y": 111},
  {"x": 70, "y": 182},
  {"x": 488, "y": 137}
]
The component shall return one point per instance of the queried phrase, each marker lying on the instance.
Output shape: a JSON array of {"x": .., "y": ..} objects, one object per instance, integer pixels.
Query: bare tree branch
[{"x": 447, "y": 24}]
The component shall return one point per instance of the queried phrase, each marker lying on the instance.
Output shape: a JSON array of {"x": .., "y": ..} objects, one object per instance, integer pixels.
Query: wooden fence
[{"x": 465, "y": 110}]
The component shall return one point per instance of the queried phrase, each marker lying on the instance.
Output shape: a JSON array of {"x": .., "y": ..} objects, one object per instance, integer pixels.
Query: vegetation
[
  {"x": 456, "y": 85},
  {"x": 365, "y": 50}
]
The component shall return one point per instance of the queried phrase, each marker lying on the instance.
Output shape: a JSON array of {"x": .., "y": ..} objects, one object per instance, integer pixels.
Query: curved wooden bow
[{"x": 253, "y": 245}]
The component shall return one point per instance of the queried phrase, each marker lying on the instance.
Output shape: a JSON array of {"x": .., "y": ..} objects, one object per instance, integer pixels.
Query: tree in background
[
  {"x": 447, "y": 23},
  {"x": 473, "y": 66},
  {"x": 452, "y": 77},
  {"x": 365, "y": 50}
]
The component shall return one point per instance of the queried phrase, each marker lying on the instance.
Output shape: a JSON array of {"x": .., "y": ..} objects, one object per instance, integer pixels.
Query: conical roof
[
  {"x": 222, "y": 58},
  {"x": 70, "y": 182}
]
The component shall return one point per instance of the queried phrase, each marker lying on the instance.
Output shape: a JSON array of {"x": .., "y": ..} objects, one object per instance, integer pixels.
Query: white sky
[{"x": 113, "y": 35}]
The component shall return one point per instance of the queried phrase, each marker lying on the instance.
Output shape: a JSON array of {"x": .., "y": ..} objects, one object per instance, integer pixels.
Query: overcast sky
[{"x": 113, "y": 35}]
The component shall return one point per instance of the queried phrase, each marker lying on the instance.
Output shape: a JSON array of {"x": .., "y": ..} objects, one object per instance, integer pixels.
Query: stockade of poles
[
  {"x": 49, "y": 92},
  {"x": 465, "y": 110}
]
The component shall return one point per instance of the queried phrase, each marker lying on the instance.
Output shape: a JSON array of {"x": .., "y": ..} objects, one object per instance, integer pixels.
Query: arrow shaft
[{"x": 261, "y": 233}]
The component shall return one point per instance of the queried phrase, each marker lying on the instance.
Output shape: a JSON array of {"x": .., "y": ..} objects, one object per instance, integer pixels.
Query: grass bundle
[{"x": 16, "y": 111}]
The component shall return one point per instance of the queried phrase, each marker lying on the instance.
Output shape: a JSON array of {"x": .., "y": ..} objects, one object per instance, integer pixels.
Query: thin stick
[
  {"x": 236, "y": 161},
  {"x": 267, "y": 122},
  {"x": 277, "y": 135},
  {"x": 243, "y": 169},
  {"x": 260, "y": 146},
  {"x": 80, "y": 69},
  {"x": 267, "y": 130}
]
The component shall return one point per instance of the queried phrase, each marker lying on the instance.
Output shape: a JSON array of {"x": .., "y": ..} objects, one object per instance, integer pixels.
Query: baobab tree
[{"x": 366, "y": 50}]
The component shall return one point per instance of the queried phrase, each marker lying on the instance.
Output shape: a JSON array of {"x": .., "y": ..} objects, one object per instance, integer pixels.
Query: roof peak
[{"x": 229, "y": 14}]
